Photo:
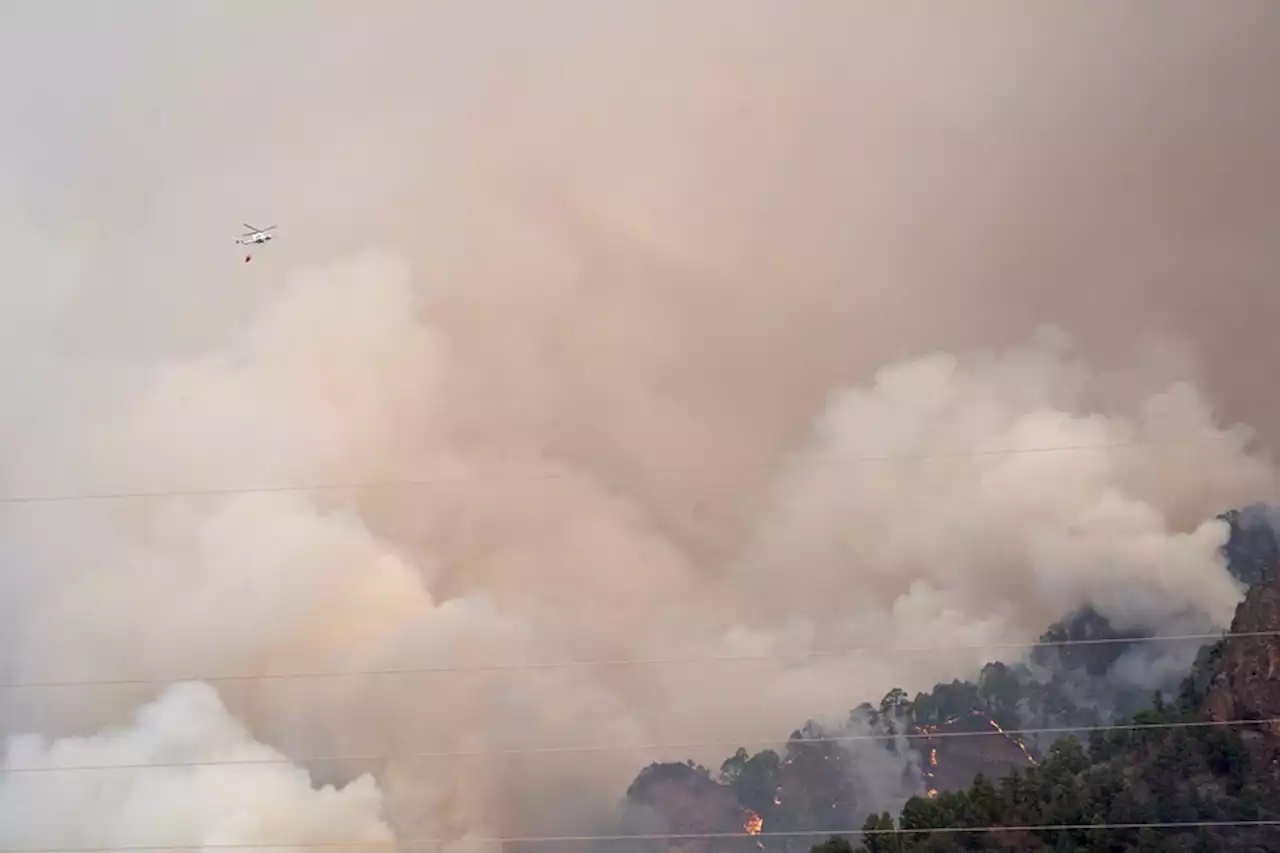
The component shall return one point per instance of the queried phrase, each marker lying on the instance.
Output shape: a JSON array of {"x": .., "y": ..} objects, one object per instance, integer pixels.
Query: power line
[
  {"x": 665, "y": 836},
  {"x": 257, "y": 762},
  {"x": 603, "y": 662},
  {"x": 368, "y": 485}
]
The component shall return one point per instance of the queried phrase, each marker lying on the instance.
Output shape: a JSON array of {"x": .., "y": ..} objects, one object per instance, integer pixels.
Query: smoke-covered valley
[{"x": 674, "y": 333}]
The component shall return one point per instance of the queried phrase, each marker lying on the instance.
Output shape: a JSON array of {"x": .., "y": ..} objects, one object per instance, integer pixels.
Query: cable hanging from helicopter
[{"x": 255, "y": 237}]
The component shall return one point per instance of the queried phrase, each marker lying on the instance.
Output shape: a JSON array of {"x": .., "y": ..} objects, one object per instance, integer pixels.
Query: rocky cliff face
[{"x": 1246, "y": 681}]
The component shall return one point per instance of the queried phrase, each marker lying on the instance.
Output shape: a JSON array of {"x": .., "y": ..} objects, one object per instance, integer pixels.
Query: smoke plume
[
  {"x": 662, "y": 333},
  {"x": 255, "y": 797}
]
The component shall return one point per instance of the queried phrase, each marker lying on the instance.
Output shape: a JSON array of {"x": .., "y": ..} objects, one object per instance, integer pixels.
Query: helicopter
[{"x": 255, "y": 237}]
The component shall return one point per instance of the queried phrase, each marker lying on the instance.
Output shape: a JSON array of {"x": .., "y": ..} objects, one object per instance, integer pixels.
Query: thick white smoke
[
  {"x": 993, "y": 473},
  {"x": 647, "y": 289},
  {"x": 540, "y": 561},
  {"x": 231, "y": 791}
]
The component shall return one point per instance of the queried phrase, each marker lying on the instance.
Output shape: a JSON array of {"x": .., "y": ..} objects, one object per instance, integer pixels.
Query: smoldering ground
[{"x": 626, "y": 285}]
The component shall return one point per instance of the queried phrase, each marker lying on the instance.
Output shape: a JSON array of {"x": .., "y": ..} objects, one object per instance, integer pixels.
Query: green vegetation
[
  {"x": 810, "y": 784},
  {"x": 1161, "y": 775},
  {"x": 1130, "y": 776}
]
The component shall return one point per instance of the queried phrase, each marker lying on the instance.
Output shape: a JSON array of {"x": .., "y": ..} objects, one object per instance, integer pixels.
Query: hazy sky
[
  {"x": 656, "y": 249},
  {"x": 918, "y": 177}
]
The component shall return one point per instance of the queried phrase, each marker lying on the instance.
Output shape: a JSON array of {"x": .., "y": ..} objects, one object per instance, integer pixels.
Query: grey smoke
[{"x": 627, "y": 280}]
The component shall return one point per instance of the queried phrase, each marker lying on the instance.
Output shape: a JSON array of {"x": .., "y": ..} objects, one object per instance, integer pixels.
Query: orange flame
[
  {"x": 1016, "y": 742},
  {"x": 753, "y": 824}
]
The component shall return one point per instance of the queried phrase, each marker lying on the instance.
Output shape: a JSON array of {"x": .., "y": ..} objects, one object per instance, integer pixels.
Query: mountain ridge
[{"x": 813, "y": 784}]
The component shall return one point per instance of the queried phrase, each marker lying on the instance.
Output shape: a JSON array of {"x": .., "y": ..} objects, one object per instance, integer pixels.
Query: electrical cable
[
  {"x": 550, "y": 475},
  {"x": 664, "y": 836},
  {"x": 611, "y": 662},
  {"x": 763, "y": 742}
]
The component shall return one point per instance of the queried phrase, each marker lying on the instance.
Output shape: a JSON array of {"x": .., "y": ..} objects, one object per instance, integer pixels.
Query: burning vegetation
[
  {"x": 830, "y": 778},
  {"x": 819, "y": 781},
  {"x": 686, "y": 800},
  {"x": 936, "y": 744},
  {"x": 981, "y": 747}
]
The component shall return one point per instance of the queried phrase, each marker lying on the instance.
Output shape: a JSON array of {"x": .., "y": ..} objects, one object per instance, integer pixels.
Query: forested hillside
[
  {"x": 1188, "y": 769},
  {"x": 1189, "y": 772}
]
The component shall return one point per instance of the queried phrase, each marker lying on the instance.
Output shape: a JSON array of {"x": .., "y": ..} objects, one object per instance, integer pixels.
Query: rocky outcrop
[{"x": 1246, "y": 680}]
